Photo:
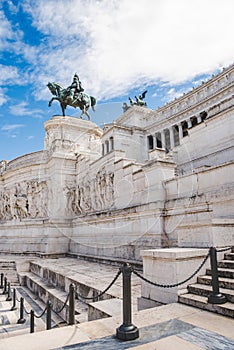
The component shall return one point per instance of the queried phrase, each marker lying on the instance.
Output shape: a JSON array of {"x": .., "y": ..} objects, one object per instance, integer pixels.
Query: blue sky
[{"x": 119, "y": 48}]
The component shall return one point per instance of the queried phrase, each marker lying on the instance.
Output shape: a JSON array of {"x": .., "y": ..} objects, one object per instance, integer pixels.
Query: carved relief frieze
[
  {"x": 91, "y": 194},
  {"x": 27, "y": 199}
]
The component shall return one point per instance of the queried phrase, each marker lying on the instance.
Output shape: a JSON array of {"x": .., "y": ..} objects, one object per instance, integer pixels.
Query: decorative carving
[
  {"x": 27, "y": 199},
  {"x": 91, "y": 195},
  {"x": 3, "y": 166}
]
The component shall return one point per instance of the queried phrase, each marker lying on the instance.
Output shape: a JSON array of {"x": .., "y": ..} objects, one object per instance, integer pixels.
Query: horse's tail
[{"x": 93, "y": 102}]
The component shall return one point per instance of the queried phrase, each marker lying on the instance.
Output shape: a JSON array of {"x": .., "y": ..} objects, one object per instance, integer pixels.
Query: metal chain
[
  {"x": 43, "y": 312},
  {"x": 28, "y": 313},
  {"x": 172, "y": 285},
  {"x": 223, "y": 249},
  {"x": 103, "y": 292},
  {"x": 65, "y": 302}
]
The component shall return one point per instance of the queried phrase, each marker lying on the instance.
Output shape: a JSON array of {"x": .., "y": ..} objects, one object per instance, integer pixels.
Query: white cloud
[
  {"x": 11, "y": 127},
  {"x": 6, "y": 31},
  {"x": 8, "y": 75},
  {"x": 116, "y": 45},
  {"x": 22, "y": 109},
  {"x": 3, "y": 98},
  {"x": 174, "y": 93}
]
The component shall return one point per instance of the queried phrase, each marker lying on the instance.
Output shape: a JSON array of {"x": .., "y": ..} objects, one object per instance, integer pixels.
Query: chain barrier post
[
  {"x": 5, "y": 286},
  {"x": 21, "y": 319},
  {"x": 215, "y": 297},
  {"x": 14, "y": 300},
  {"x": 71, "y": 304},
  {"x": 127, "y": 331},
  {"x": 32, "y": 321},
  {"x": 9, "y": 298},
  {"x": 48, "y": 315},
  {"x": 2, "y": 276}
]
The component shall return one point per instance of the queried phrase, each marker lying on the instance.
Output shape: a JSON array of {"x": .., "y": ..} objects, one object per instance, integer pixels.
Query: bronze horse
[{"x": 81, "y": 100}]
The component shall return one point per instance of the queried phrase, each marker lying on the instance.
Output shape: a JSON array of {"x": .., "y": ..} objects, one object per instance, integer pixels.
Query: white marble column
[
  {"x": 199, "y": 119},
  {"x": 180, "y": 131},
  {"x": 163, "y": 139},
  {"x": 189, "y": 123},
  {"x": 172, "y": 141}
]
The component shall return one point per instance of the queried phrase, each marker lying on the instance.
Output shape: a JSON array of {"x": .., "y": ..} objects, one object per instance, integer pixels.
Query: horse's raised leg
[
  {"x": 88, "y": 116},
  {"x": 50, "y": 103}
]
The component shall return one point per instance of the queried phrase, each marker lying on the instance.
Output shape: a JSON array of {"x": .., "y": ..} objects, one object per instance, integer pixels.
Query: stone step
[
  {"x": 7, "y": 264},
  {"x": 201, "y": 302},
  {"x": 8, "y": 268},
  {"x": 229, "y": 264},
  {"x": 223, "y": 272},
  {"x": 9, "y": 326},
  {"x": 13, "y": 279},
  {"x": 45, "y": 291},
  {"x": 205, "y": 290},
  {"x": 229, "y": 256},
  {"x": 59, "y": 279},
  {"x": 38, "y": 306},
  {"x": 223, "y": 282}
]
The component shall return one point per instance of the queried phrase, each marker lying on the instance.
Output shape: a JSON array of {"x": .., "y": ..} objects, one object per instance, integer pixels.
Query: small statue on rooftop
[{"x": 139, "y": 102}]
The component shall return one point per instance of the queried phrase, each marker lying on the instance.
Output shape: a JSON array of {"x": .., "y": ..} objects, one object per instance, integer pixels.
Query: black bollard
[
  {"x": 21, "y": 319},
  {"x": 215, "y": 297},
  {"x": 32, "y": 321},
  {"x": 5, "y": 286},
  {"x": 48, "y": 315},
  {"x": 127, "y": 331},
  {"x": 14, "y": 300},
  {"x": 71, "y": 304},
  {"x": 9, "y": 298},
  {"x": 2, "y": 276}
]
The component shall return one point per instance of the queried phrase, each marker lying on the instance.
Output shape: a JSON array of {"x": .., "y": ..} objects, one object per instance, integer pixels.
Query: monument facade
[{"x": 151, "y": 179}]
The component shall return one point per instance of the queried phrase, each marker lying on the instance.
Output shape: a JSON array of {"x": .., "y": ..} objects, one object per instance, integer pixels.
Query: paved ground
[{"x": 170, "y": 327}]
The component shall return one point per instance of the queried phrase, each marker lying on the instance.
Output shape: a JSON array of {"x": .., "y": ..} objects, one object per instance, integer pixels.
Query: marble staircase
[
  {"x": 198, "y": 292},
  {"x": 9, "y": 326},
  {"x": 43, "y": 290},
  {"x": 49, "y": 279},
  {"x": 8, "y": 268}
]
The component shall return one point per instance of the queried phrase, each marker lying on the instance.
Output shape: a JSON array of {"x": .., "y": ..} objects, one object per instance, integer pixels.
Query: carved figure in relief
[
  {"x": 33, "y": 210},
  {"x": 3, "y": 166},
  {"x": 21, "y": 205},
  {"x": 70, "y": 194},
  {"x": 91, "y": 194},
  {"x": 44, "y": 198},
  {"x": 7, "y": 206},
  {"x": 26, "y": 199}
]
